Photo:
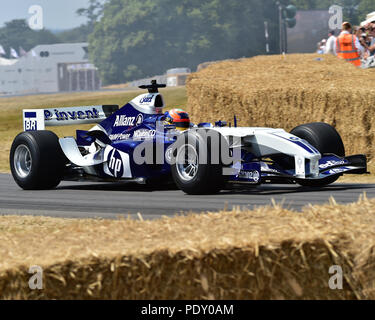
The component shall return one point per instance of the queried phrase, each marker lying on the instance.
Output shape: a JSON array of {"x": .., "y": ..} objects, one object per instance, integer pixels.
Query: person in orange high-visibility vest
[{"x": 348, "y": 46}]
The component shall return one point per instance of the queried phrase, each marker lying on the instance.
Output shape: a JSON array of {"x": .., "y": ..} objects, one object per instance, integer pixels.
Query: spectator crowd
[{"x": 363, "y": 43}]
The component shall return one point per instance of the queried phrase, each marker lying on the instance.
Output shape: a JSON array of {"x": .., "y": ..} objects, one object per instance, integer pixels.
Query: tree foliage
[
  {"x": 93, "y": 12},
  {"x": 138, "y": 38},
  {"x": 78, "y": 34},
  {"x": 143, "y": 38},
  {"x": 17, "y": 33}
]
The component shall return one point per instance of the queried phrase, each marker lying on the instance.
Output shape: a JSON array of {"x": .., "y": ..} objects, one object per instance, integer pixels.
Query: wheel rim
[
  {"x": 22, "y": 161},
  {"x": 187, "y": 162}
]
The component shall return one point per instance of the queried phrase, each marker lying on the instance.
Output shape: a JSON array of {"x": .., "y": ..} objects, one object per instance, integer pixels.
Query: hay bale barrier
[
  {"x": 283, "y": 92},
  {"x": 267, "y": 253}
]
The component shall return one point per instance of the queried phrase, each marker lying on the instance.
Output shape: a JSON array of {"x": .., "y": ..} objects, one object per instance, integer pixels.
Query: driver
[{"x": 179, "y": 118}]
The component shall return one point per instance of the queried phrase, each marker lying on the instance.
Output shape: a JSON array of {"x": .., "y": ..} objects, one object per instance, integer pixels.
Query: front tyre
[
  {"x": 36, "y": 160},
  {"x": 326, "y": 140},
  {"x": 189, "y": 172}
]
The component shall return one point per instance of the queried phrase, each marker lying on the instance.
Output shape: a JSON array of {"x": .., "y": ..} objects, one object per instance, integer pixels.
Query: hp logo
[{"x": 115, "y": 164}]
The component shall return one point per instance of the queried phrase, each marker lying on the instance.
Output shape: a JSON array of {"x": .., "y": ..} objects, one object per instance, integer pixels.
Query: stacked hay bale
[
  {"x": 267, "y": 253},
  {"x": 285, "y": 92}
]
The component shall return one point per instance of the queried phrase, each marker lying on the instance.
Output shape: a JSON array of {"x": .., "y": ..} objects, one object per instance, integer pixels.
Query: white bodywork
[
  {"x": 146, "y": 103},
  {"x": 267, "y": 141},
  {"x": 71, "y": 151}
]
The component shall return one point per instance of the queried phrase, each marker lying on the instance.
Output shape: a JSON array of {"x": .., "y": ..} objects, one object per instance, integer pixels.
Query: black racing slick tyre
[
  {"x": 326, "y": 140},
  {"x": 189, "y": 172},
  {"x": 36, "y": 160}
]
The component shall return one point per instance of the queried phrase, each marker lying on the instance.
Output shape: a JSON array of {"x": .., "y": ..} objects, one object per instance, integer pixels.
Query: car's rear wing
[{"x": 39, "y": 119}]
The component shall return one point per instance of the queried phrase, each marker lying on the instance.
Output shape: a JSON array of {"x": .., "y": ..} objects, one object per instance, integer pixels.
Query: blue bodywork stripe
[{"x": 301, "y": 144}]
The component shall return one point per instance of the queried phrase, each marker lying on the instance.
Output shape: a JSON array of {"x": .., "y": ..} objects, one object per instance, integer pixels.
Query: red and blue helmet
[{"x": 179, "y": 118}]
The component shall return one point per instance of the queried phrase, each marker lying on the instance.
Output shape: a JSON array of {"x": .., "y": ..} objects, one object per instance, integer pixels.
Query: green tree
[
  {"x": 79, "y": 34},
  {"x": 143, "y": 38},
  {"x": 138, "y": 38},
  {"x": 17, "y": 33},
  {"x": 93, "y": 12},
  {"x": 365, "y": 7}
]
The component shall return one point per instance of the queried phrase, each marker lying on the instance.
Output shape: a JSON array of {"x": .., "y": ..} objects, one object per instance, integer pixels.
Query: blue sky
[{"x": 58, "y": 14}]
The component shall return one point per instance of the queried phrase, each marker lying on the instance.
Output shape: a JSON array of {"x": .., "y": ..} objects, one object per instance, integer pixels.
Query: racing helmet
[{"x": 179, "y": 118}]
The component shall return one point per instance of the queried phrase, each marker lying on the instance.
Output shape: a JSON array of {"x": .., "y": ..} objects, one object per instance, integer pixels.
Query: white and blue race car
[{"x": 135, "y": 144}]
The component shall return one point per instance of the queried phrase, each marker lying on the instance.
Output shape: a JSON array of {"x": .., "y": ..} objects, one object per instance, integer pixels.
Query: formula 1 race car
[{"x": 135, "y": 144}]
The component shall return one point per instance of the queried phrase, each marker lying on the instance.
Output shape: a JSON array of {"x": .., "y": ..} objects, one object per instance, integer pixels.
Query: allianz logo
[{"x": 124, "y": 121}]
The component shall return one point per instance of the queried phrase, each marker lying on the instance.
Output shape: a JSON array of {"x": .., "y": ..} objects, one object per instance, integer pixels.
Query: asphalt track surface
[{"x": 110, "y": 201}]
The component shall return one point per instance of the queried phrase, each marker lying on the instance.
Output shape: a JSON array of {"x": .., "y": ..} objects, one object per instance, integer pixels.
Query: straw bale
[
  {"x": 285, "y": 92},
  {"x": 267, "y": 253}
]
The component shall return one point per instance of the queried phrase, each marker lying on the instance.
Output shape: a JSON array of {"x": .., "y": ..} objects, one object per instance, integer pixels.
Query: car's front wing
[{"x": 329, "y": 166}]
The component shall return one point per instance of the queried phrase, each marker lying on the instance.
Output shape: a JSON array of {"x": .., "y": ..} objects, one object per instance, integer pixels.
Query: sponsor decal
[
  {"x": 115, "y": 165},
  {"x": 338, "y": 170},
  {"x": 271, "y": 170},
  {"x": 91, "y": 113},
  {"x": 124, "y": 121},
  {"x": 250, "y": 175},
  {"x": 31, "y": 123},
  {"x": 144, "y": 134},
  {"x": 331, "y": 163},
  {"x": 33, "y": 119},
  {"x": 119, "y": 136},
  {"x": 267, "y": 168},
  {"x": 147, "y": 99}
]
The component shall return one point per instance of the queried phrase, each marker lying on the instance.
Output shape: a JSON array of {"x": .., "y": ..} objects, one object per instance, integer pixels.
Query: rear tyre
[
  {"x": 36, "y": 160},
  {"x": 326, "y": 140},
  {"x": 188, "y": 173}
]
